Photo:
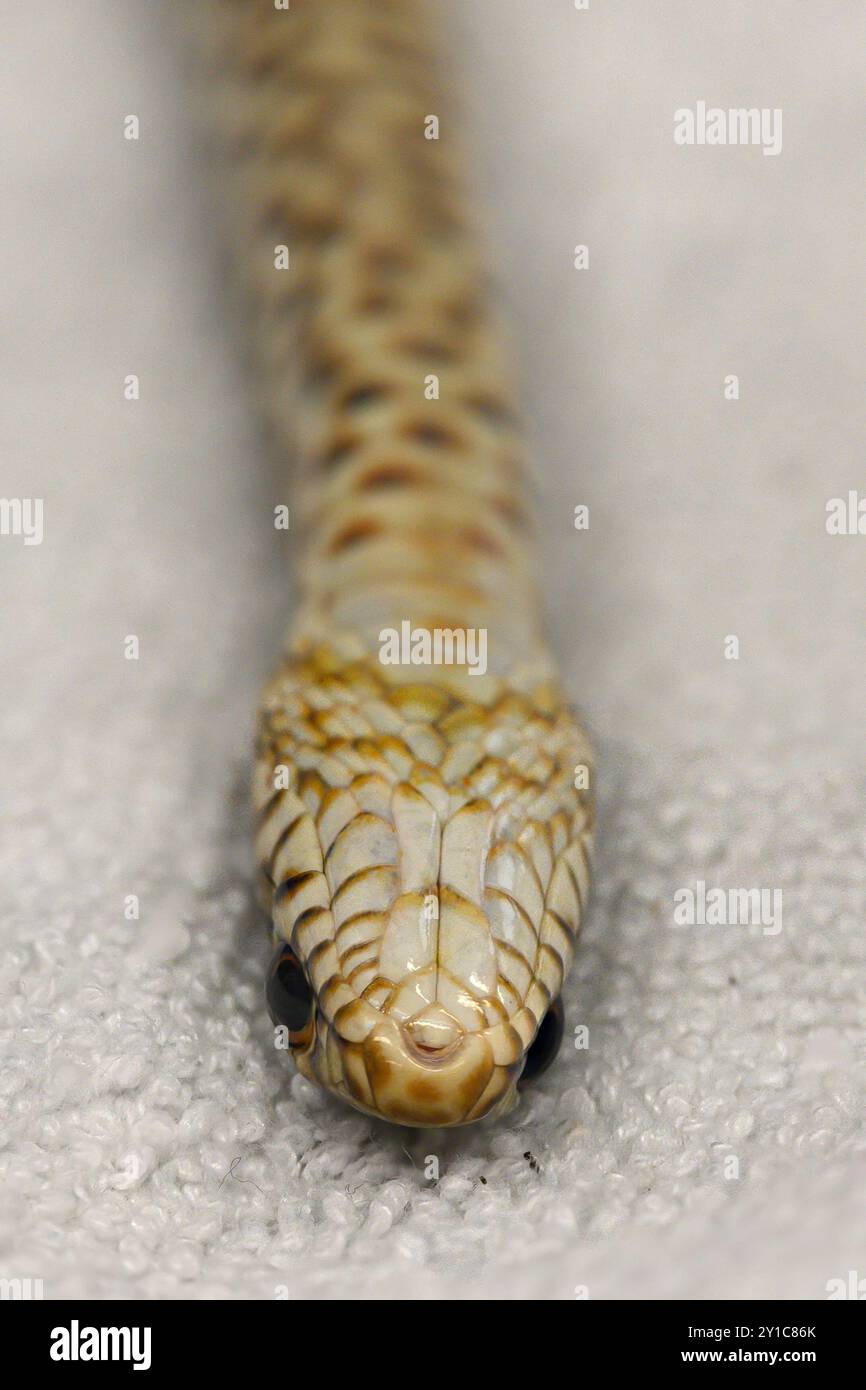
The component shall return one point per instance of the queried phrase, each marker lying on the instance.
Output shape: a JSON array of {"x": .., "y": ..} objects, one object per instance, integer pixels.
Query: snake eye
[
  {"x": 546, "y": 1043},
  {"x": 289, "y": 997}
]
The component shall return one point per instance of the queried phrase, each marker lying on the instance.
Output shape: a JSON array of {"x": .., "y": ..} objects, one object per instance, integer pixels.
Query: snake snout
[{"x": 427, "y": 1072}]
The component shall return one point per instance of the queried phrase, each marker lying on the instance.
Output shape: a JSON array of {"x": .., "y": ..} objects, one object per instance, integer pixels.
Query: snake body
[{"x": 422, "y": 847}]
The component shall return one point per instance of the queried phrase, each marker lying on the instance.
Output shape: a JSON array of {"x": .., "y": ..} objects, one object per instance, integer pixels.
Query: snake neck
[{"x": 388, "y": 378}]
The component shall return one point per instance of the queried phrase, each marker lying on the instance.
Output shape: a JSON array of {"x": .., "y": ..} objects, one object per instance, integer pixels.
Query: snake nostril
[{"x": 432, "y": 1039}]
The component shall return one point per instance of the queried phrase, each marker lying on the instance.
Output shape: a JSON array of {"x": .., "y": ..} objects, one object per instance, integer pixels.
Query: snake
[{"x": 423, "y": 791}]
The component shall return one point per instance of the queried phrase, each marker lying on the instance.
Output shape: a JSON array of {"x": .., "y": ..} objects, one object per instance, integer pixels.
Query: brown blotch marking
[
  {"x": 423, "y": 1090},
  {"x": 431, "y": 435},
  {"x": 390, "y": 46},
  {"x": 443, "y": 223},
  {"x": 376, "y": 303},
  {"x": 391, "y": 475},
  {"x": 292, "y": 139},
  {"x": 494, "y": 411},
  {"x": 388, "y": 260},
  {"x": 320, "y": 373},
  {"x": 289, "y": 295},
  {"x": 359, "y": 397},
  {"x": 481, "y": 540},
  {"x": 428, "y": 349},
  {"x": 277, "y": 213},
  {"x": 512, "y": 512},
  {"x": 463, "y": 313},
  {"x": 318, "y": 224},
  {"x": 340, "y": 448},
  {"x": 262, "y": 63}
]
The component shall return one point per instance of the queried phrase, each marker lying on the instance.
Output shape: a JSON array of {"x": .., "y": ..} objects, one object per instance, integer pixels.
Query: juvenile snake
[{"x": 422, "y": 846}]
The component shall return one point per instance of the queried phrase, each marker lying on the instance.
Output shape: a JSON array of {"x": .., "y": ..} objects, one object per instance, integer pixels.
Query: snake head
[{"x": 425, "y": 865}]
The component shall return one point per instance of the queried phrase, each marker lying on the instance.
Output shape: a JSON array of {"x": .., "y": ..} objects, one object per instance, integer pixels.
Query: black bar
[{"x": 627, "y": 1336}]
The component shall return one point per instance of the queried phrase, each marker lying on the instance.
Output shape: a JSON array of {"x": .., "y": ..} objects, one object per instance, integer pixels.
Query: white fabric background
[{"x": 136, "y": 1064}]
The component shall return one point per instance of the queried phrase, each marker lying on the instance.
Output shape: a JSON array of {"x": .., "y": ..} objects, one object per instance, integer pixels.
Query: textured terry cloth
[{"x": 708, "y": 1140}]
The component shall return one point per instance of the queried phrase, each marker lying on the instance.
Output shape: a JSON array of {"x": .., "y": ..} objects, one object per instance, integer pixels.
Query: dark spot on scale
[{"x": 289, "y": 886}]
